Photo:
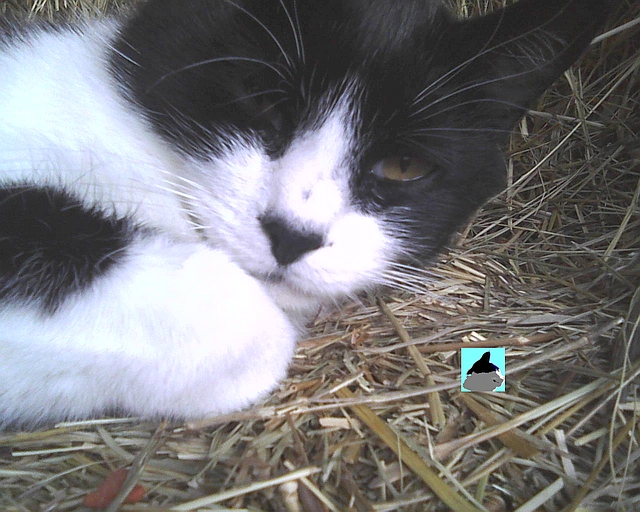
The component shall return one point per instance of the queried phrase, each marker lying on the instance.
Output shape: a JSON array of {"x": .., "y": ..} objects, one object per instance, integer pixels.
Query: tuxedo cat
[{"x": 181, "y": 187}]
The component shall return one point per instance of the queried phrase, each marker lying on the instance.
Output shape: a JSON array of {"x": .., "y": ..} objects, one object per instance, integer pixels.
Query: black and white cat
[{"x": 181, "y": 188}]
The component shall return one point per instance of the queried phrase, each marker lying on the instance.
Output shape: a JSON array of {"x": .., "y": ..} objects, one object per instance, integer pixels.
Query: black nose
[{"x": 287, "y": 244}]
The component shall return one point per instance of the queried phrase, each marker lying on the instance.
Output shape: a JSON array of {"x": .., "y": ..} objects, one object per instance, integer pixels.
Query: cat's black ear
[{"x": 513, "y": 54}]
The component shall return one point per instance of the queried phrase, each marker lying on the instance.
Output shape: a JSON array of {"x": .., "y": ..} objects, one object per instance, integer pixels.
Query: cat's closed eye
[{"x": 402, "y": 168}]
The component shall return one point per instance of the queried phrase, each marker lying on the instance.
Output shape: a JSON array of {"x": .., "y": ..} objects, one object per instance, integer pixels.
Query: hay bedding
[{"x": 371, "y": 418}]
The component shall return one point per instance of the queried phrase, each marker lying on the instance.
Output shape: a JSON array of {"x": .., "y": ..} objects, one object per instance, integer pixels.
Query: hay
[
  {"x": 61, "y": 9},
  {"x": 371, "y": 417}
]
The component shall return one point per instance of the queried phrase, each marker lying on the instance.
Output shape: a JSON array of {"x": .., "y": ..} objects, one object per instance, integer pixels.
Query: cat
[{"x": 183, "y": 185}]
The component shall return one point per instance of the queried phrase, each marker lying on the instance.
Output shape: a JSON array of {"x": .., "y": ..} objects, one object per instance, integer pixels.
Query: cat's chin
[
  {"x": 289, "y": 297},
  {"x": 295, "y": 303},
  {"x": 299, "y": 304}
]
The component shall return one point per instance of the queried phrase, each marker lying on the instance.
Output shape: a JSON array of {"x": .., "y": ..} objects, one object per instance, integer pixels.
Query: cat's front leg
[{"x": 171, "y": 330}]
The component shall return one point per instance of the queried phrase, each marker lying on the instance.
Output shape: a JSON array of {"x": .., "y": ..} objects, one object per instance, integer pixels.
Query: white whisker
[
  {"x": 295, "y": 29},
  {"x": 284, "y": 54},
  {"x": 464, "y": 89},
  {"x": 212, "y": 61}
]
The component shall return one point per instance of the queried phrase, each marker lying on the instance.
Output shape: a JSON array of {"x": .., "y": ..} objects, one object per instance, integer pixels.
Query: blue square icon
[{"x": 483, "y": 369}]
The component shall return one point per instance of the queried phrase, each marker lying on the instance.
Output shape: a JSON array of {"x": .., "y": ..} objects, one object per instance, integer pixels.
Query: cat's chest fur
[{"x": 180, "y": 187}]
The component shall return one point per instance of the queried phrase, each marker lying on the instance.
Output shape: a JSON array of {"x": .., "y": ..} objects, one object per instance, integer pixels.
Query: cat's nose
[{"x": 287, "y": 244}]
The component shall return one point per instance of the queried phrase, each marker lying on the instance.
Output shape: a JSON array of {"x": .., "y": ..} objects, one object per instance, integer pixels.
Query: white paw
[{"x": 176, "y": 331}]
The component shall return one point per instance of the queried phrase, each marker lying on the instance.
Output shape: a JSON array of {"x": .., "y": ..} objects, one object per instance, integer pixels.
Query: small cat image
[
  {"x": 183, "y": 185},
  {"x": 483, "y": 375}
]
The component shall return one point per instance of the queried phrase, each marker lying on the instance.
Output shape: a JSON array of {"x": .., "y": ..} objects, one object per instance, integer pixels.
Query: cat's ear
[{"x": 519, "y": 51}]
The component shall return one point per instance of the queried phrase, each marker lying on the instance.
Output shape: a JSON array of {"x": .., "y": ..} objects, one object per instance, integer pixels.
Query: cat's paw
[
  {"x": 176, "y": 330},
  {"x": 230, "y": 344}
]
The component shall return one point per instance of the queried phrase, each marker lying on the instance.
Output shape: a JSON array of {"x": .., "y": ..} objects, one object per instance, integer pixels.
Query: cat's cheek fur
[
  {"x": 355, "y": 256},
  {"x": 153, "y": 335}
]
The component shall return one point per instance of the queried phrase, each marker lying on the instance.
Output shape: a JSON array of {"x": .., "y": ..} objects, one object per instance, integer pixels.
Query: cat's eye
[{"x": 402, "y": 168}]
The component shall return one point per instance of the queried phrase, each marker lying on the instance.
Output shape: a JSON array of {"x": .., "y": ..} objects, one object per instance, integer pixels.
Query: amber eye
[{"x": 402, "y": 168}]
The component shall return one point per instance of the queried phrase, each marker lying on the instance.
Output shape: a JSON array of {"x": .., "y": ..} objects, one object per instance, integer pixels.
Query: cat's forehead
[
  {"x": 349, "y": 55},
  {"x": 372, "y": 24},
  {"x": 353, "y": 32}
]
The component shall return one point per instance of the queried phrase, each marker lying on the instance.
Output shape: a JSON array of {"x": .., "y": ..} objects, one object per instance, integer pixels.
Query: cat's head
[{"x": 326, "y": 142}]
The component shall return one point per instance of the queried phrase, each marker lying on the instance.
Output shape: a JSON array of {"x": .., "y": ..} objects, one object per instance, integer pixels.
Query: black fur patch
[
  {"x": 423, "y": 84},
  {"x": 52, "y": 245}
]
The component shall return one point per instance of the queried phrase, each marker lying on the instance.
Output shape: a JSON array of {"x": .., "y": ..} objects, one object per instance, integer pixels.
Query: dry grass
[
  {"x": 371, "y": 418},
  {"x": 55, "y": 9}
]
